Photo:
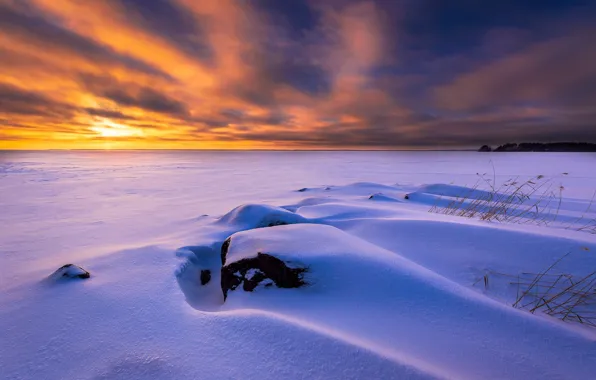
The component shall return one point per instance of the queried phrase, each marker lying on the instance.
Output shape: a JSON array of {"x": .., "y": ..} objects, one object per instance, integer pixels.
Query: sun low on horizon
[{"x": 340, "y": 74}]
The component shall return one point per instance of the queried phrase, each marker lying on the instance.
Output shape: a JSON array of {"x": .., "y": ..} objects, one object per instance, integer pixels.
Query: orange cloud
[{"x": 228, "y": 74}]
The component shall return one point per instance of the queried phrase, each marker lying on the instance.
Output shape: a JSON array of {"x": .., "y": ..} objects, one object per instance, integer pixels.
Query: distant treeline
[{"x": 542, "y": 147}]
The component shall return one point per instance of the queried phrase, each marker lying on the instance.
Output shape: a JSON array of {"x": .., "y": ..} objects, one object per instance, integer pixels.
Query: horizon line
[{"x": 234, "y": 150}]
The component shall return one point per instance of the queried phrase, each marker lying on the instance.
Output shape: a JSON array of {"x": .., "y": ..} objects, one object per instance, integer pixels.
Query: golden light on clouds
[
  {"x": 107, "y": 128},
  {"x": 226, "y": 74}
]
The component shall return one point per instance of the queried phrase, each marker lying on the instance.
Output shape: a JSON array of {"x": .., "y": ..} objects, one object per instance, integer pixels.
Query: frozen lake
[
  {"x": 77, "y": 202},
  {"x": 123, "y": 214}
]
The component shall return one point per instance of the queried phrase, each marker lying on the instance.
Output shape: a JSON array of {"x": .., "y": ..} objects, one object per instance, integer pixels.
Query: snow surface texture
[{"x": 392, "y": 290}]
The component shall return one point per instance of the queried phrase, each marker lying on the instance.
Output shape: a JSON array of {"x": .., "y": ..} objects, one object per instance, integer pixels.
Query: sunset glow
[
  {"x": 110, "y": 129},
  {"x": 232, "y": 74}
]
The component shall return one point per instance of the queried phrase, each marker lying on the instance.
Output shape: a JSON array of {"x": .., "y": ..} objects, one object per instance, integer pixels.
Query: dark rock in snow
[
  {"x": 251, "y": 282},
  {"x": 383, "y": 198},
  {"x": 205, "y": 276},
  {"x": 277, "y": 223},
  {"x": 407, "y": 196},
  {"x": 70, "y": 271},
  {"x": 224, "y": 250},
  {"x": 250, "y": 272},
  {"x": 302, "y": 190}
]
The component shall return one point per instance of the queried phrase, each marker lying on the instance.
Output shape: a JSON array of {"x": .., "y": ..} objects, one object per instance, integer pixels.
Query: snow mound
[
  {"x": 370, "y": 185},
  {"x": 199, "y": 277},
  {"x": 327, "y": 212},
  {"x": 456, "y": 191},
  {"x": 258, "y": 216},
  {"x": 363, "y": 188},
  {"x": 357, "y": 289},
  {"x": 442, "y": 194},
  {"x": 312, "y": 201},
  {"x": 297, "y": 242}
]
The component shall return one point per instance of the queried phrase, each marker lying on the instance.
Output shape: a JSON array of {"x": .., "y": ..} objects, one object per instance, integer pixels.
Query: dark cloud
[
  {"x": 15, "y": 100},
  {"x": 150, "y": 99},
  {"x": 37, "y": 31},
  {"x": 450, "y": 27},
  {"x": 239, "y": 116},
  {"x": 108, "y": 114},
  {"x": 176, "y": 25},
  {"x": 559, "y": 71},
  {"x": 435, "y": 132},
  {"x": 133, "y": 95},
  {"x": 294, "y": 16},
  {"x": 302, "y": 75}
]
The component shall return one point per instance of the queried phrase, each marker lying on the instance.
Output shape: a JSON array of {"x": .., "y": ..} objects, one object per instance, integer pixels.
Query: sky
[{"x": 295, "y": 74}]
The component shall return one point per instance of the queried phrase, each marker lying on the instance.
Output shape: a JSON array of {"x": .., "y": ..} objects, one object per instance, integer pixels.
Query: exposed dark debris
[
  {"x": 277, "y": 223},
  {"x": 72, "y": 271},
  {"x": 205, "y": 276},
  {"x": 224, "y": 250},
  {"x": 263, "y": 267}
]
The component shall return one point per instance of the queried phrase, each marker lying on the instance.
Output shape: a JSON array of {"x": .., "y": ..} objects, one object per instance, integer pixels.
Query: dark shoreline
[{"x": 542, "y": 147}]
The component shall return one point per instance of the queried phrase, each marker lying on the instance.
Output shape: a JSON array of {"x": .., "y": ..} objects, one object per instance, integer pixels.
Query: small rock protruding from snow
[
  {"x": 224, "y": 250},
  {"x": 382, "y": 197},
  {"x": 205, "y": 276},
  {"x": 251, "y": 272},
  {"x": 70, "y": 271}
]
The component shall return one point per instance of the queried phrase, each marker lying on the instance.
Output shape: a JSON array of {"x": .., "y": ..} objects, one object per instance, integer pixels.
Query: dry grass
[
  {"x": 561, "y": 295},
  {"x": 565, "y": 296},
  {"x": 534, "y": 201},
  {"x": 582, "y": 223},
  {"x": 514, "y": 201}
]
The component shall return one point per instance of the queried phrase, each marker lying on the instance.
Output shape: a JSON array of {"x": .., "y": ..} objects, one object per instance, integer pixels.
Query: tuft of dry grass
[
  {"x": 565, "y": 296},
  {"x": 514, "y": 201},
  {"x": 561, "y": 295},
  {"x": 583, "y": 224},
  {"x": 534, "y": 201}
]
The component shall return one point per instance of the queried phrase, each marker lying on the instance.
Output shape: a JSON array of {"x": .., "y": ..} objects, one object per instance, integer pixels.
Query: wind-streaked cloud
[{"x": 294, "y": 74}]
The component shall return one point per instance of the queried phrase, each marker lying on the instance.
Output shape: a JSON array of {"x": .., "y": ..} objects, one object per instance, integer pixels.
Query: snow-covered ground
[{"x": 392, "y": 290}]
